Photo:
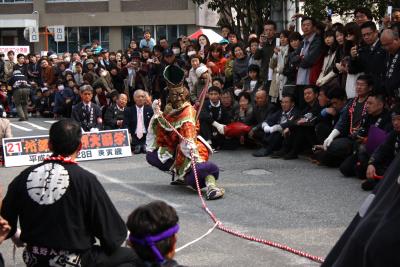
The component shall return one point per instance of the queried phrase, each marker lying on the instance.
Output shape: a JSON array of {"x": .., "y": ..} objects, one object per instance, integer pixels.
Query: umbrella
[{"x": 212, "y": 35}]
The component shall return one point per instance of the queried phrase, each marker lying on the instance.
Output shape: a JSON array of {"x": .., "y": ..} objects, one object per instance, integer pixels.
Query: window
[{"x": 77, "y": 38}]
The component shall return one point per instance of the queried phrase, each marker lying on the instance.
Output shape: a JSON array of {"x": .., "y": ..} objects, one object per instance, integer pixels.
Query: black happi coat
[
  {"x": 65, "y": 215},
  {"x": 373, "y": 237}
]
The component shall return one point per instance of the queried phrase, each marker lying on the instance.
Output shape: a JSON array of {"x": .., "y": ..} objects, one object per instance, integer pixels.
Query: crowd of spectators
[{"x": 330, "y": 93}]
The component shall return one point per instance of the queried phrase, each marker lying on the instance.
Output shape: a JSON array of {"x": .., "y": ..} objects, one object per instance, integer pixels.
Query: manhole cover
[{"x": 256, "y": 172}]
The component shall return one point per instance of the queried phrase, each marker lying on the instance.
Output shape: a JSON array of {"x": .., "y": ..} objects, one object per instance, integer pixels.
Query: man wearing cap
[
  {"x": 203, "y": 77},
  {"x": 20, "y": 91},
  {"x": 87, "y": 113},
  {"x": 166, "y": 150}
]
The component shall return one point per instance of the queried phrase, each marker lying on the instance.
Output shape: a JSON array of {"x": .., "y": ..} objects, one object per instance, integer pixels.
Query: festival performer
[{"x": 167, "y": 150}]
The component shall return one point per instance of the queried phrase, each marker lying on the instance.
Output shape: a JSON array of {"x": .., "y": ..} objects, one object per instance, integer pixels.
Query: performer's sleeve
[
  {"x": 104, "y": 219},
  {"x": 188, "y": 130}
]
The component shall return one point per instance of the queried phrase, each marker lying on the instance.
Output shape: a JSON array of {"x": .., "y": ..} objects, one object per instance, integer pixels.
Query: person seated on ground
[
  {"x": 338, "y": 145},
  {"x": 167, "y": 151},
  {"x": 300, "y": 135},
  {"x": 45, "y": 103},
  {"x": 159, "y": 221},
  {"x": 382, "y": 157},
  {"x": 213, "y": 117},
  {"x": 377, "y": 117},
  {"x": 275, "y": 124},
  {"x": 244, "y": 112},
  {"x": 87, "y": 113},
  {"x": 262, "y": 108},
  {"x": 63, "y": 209},
  {"x": 136, "y": 120},
  {"x": 229, "y": 103},
  {"x": 114, "y": 116},
  {"x": 63, "y": 101}
]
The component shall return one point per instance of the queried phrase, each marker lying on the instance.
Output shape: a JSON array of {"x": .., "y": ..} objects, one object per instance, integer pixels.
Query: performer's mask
[{"x": 177, "y": 91}]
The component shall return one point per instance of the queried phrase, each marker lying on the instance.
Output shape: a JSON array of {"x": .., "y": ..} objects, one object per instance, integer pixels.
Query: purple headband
[{"x": 152, "y": 240}]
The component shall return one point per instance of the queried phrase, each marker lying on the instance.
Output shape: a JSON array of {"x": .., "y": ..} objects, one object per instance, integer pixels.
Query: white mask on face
[
  {"x": 103, "y": 73},
  {"x": 191, "y": 53},
  {"x": 67, "y": 59},
  {"x": 176, "y": 51},
  {"x": 60, "y": 87}
]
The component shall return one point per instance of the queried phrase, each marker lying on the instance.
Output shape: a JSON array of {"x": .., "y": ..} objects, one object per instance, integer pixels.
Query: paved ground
[{"x": 295, "y": 203}]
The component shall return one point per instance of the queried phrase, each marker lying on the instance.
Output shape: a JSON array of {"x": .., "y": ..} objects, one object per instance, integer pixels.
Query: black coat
[
  {"x": 85, "y": 119},
  {"x": 275, "y": 118},
  {"x": 130, "y": 118},
  {"x": 370, "y": 62},
  {"x": 112, "y": 115},
  {"x": 372, "y": 238}
]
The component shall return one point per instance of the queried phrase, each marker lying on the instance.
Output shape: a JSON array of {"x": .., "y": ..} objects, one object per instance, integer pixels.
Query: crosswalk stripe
[
  {"x": 35, "y": 126},
  {"x": 51, "y": 122},
  {"x": 21, "y": 128}
]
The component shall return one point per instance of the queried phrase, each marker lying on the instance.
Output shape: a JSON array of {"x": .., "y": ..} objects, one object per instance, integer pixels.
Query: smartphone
[
  {"x": 277, "y": 42},
  {"x": 389, "y": 10}
]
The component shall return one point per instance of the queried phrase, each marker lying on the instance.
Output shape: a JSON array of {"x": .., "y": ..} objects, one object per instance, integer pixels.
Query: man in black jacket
[
  {"x": 370, "y": 58},
  {"x": 276, "y": 124},
  {"x": 87, "y": 113},
  {"x": 300, "y": 135},
  {"x": 62, "y": 209},
  {"x": 20, "y": 91},
  {"x": 114, "y": 116}
]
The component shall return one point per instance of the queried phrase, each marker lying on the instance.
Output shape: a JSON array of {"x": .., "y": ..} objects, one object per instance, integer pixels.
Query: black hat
[{"x": 168, "y": 52}]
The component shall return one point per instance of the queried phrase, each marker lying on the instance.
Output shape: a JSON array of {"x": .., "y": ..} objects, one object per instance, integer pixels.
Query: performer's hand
[
  {"x": 156, "y": 106},
  {"x": 371, "y": 171},
  {"x": 16, "y": 239}
]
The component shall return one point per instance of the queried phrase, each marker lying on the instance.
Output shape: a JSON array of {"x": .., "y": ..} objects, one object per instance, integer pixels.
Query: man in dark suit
[
  {"x": 136, "y": 120},
  {"x": 87, "y": 113},
  {"x": 114, "y": 116}
]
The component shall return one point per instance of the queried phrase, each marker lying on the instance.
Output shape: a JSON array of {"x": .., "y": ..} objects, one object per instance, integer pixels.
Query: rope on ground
[
  {"x": 228, "y": 230},
  {"x": 198, "y": 239}
]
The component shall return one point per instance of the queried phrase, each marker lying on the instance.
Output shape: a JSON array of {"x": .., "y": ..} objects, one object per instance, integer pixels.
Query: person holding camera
[
  {"x": 370, "y": 57},
  {"x": 266, "y": 48}
]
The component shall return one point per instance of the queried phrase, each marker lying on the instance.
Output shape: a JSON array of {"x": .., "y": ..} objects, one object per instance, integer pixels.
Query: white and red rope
[{"x": 228, "y": 230}]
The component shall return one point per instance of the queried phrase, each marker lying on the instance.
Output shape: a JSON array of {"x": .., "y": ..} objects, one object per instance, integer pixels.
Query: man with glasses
[
  {"x": 362, "y": 15},
  {"x": 369, "y": 58}
]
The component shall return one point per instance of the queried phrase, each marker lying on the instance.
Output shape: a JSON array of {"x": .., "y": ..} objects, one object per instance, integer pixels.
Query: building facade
[{"x": 113, "y": 22}]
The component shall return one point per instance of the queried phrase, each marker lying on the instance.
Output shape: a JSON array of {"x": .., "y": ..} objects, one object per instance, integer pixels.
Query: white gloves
[
  {"x": 328, "y": 141},
  {"x": 266, "y": 127},
  {"x": 220, "y": 127},
  {"x": 237, "y": 92},
  {"x": 156, "y": 106},
  {"x": 276, "y": 128}
]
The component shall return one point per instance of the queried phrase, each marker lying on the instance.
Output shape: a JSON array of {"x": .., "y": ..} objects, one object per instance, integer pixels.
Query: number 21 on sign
[{"x": 14, "y": 147}]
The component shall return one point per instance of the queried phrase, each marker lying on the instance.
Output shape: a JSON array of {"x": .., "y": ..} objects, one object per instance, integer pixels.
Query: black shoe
[
  {"x": 136, "y": 150},
  {"x": 143, "y": 149},
  {"x": 262, "y": 152},
  {"x": 279, "y": 154},
  {"x": 22, "y": 119},
  {"x": 290, "y": 155},
  {"x": 369, "y": 184}
]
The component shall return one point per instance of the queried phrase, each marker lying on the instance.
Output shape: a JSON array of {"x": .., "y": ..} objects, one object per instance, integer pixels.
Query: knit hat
[{"x": 200, "y": 70}]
